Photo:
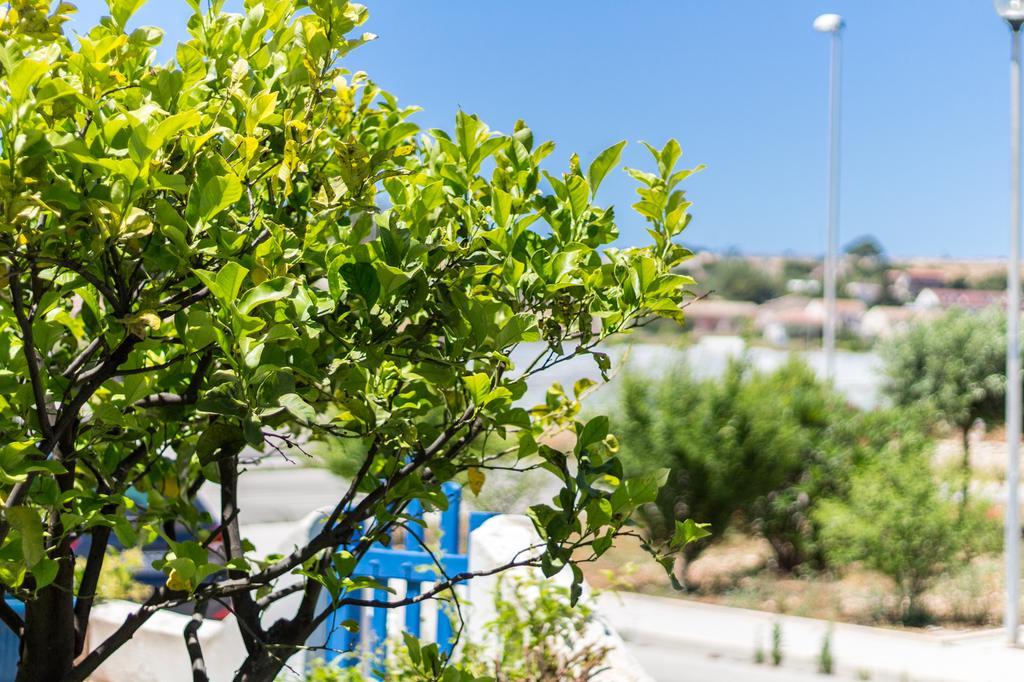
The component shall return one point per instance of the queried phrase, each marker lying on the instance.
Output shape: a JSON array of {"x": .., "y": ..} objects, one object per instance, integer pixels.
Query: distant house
[
  {"x": 798, "y": 317},
  {"x": 811, "y": 287},
  {"x": 884, "y": 321},
  {"x": 869, "y": 292},
  {"x": 905, "y": 285},
  {"x": 849, "y": 312},
  {"x": 787, "y": 302},
  {"x": 941, "y": 298},
  {"x": 713, "y": 316},
  {"x": 780, "y": 325}
]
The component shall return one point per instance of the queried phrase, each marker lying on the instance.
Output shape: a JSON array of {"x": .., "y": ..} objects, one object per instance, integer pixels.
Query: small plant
[
  {"x": 759, "y": 656},
  {"x": 826, "y": 664},
  {"x": 897, "y": 522},
  {"x": 539, "y": 636},
  {"x": 776, "y": 644},
  {"x": 535, "y": 636}
]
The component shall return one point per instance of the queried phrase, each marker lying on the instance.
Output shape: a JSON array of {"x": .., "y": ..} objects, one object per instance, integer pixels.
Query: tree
[
  {"x": 866, "y": 247},
  {"x": 247, "y": 249},
  {"x": 737, "y": 279},
  {"x": 896, "y": 522},
  {"x": 737, "y": 448},
  {"x": 954, "y": 366}
]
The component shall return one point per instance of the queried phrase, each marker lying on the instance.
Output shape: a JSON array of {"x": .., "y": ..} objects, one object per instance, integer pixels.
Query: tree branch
[
  {"x": 65, "y": 418},
  {"x": 28, "y": 346},
  {"x": 90, "y": 579},
  {"x": 244, "y": 604},
  {"x": 92, "y": 279},
  {"x": 132, "y": 623},
  {"x": 83, "y": 357},
  {"x": 195, "y": 649}
]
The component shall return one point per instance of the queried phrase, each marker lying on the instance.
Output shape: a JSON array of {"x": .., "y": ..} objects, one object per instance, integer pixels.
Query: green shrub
[
  {"x": 540, "y": 637},
  {"x": 737, "y": 448},
  {"x": 895, "y": 521}
]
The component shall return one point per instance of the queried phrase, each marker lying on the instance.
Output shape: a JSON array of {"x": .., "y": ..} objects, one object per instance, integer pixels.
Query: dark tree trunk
[
  {"x": 965, "y": 470},
  {"x": 260, "y": 667},
  {"x": 48, "y": 646},
  {"x": 787, "y": 555}
]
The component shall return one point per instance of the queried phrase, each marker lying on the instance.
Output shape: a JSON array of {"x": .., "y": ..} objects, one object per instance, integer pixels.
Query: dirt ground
[{"x": 735, "y": 572}]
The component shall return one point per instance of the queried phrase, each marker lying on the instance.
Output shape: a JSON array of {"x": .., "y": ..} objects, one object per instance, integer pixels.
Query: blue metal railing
[
  {"x": 10, "y": 645},
  {"x": 412, "y": 565}
]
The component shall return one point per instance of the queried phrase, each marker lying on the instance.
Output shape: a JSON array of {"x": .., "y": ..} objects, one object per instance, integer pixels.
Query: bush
[
  {"x": 735, "y": 447},
  {"x": 739, "y": 280},
  {"x": 895, "y": 521}
]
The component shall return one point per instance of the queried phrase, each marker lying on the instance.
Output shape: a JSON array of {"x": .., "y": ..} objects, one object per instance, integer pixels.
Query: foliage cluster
[
  {"x": 894, "y": 520},
  {"x": 780, "y": 455},
  {"x": 743, "y": 449},
  {"x": 228, "y": 256}
]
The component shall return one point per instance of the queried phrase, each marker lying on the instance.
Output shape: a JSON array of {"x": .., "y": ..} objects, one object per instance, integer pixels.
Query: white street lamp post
[
  {"x": 833, "y": 24},
  {"x": 1013, "y": 12}
]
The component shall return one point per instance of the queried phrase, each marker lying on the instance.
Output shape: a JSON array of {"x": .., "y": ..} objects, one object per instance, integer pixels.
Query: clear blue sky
[{"x": 743, "y": 86}]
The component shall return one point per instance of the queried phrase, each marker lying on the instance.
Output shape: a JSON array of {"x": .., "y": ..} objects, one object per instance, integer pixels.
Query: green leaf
[
  {"x": 25, "y": 74},
  {"x": 668, "y": 157},
  {"x": 230, "y": 278},
  {"x": 689, "y": 531},
  {"x": 604, "y": 162},
  {"x": 579, "y": 194},
  {"x": 122, "y": 10},
  {"x": 518, "y": 328},
  {"x": 216, "y": 189},
  {"x": 501, "y": 205},
  {"x": 644, "y": 490},
  {"x": 595, "y": 431},
  {"x": 27, "y": 522},
  {"x": 298, "y": 407},
  {"x": 271, "y": 290},
  {"x": 45, "y": 572},
  {"x": 362, "y": 279},
  {"x": 171, "y": 126},
  {"x": 260, "y": 109},
  {"x": 479, "y": 386},
  {"x": 391, "y": 279}
]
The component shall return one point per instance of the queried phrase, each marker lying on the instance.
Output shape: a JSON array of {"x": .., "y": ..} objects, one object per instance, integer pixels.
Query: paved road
[
  {"x": 674, "y": 664},
  {"x": 672, "y": 637}
]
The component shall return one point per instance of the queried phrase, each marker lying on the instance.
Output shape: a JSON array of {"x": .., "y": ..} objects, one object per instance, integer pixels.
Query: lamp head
[
  {"x": 1011, "y": 10},
  {"x": 833, "y": 23}
]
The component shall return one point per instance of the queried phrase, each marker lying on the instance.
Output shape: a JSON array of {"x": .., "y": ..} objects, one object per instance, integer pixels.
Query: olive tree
[
  {"x": 247, "y": 249},
  {"x": 955, "y": 367}
]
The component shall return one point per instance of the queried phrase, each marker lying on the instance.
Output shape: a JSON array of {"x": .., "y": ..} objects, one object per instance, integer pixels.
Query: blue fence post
[
  {"x": 413, "y": 612},
  {"x": 379, "y": 616},
  {"x": 400, "y": 561},
  {"x": 450, "y": 519},
  {"x": 10, "y": 644}
]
